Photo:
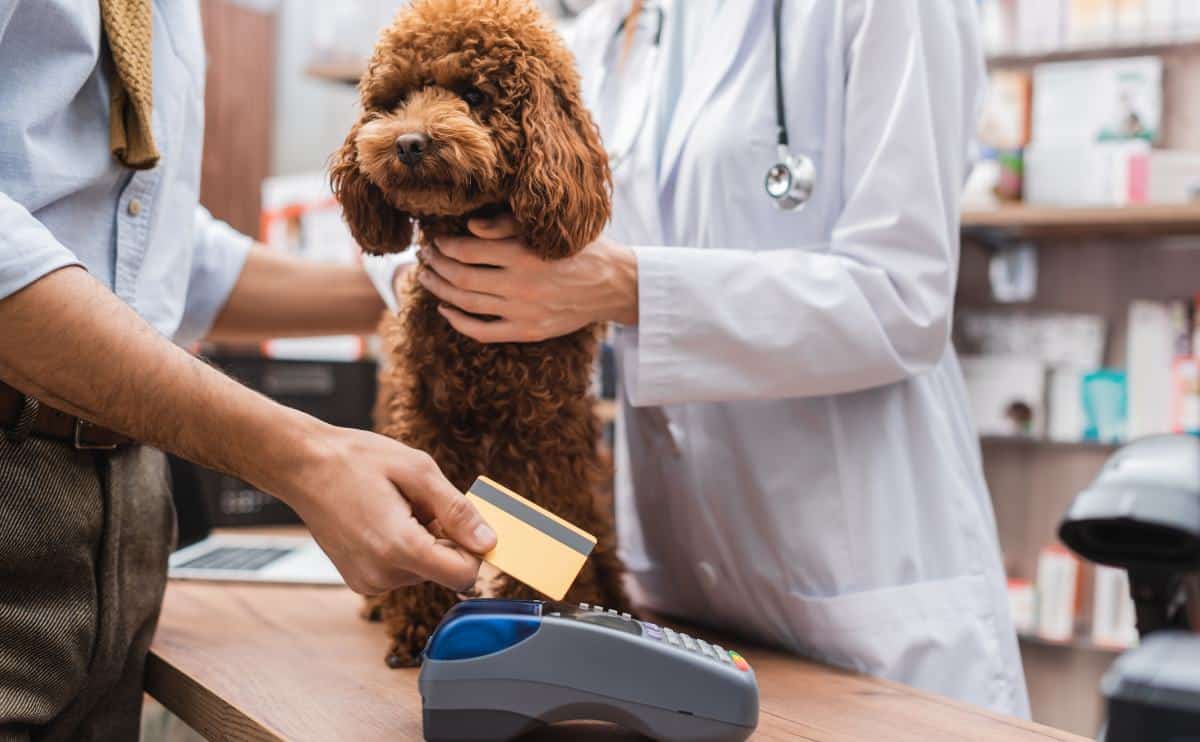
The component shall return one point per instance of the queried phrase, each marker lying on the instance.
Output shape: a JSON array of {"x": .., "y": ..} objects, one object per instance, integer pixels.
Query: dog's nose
[{"x": 410, "y": 148}]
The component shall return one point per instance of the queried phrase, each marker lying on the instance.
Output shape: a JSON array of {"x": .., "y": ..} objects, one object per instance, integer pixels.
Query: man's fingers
[
  {"x": 379, "y": 584},
  {"x": 447, "y": 563},
  {"x": 470, "y": 301},
  {"x": 433, "y": 494},
  {"x": 501, "y": 227},
  {"x": 483, "y": 331}
]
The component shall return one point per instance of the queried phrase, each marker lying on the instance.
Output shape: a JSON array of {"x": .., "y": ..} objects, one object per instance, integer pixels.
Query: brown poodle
[{"x": 472, "y": 107}]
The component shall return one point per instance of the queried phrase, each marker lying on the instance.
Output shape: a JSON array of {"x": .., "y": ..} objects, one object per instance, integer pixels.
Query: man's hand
[
  {"x": 494, "y": 274},
  {"x": 370, "y": 502},
  {"x": 374, "y": 505}
]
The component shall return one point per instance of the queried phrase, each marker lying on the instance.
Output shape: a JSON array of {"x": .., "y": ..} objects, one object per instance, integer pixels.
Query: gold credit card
[{"x": 533, "y": 545}]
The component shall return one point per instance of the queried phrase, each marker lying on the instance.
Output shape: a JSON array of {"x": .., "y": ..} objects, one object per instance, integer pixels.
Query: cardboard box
[
  {"x": 1087, "y": 174},
  {"x": 1085, "y": 102},
  {"x": 1057, "y": 593}
]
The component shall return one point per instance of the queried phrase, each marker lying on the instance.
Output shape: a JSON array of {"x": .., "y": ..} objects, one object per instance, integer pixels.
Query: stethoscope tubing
[{"x": 796, "y": 172}]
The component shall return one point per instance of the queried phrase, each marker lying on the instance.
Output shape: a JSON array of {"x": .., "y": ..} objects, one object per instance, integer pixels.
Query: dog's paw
[{"x": 407, "y": 647}]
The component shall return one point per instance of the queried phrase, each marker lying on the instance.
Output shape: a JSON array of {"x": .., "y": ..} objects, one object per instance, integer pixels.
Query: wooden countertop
[{"x": 265, "y": 662}]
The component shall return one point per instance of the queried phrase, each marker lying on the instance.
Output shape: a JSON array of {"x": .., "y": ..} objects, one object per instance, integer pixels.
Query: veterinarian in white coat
[{"x": 795, "y": 458}]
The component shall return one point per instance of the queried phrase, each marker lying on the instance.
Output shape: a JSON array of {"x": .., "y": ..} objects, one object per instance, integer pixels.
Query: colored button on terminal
[{"x": 739, "y": 661}]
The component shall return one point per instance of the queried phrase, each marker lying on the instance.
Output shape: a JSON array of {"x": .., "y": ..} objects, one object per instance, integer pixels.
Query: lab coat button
[
  {"x": 135, "y": 207},
  {"x": 709, "y": 574}
]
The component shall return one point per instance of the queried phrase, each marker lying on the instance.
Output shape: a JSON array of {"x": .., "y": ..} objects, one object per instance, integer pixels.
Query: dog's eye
[{"x": 473, "y": 97}]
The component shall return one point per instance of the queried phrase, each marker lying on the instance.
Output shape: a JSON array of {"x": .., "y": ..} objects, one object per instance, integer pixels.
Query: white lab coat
[{"x": 795, "y": 459}]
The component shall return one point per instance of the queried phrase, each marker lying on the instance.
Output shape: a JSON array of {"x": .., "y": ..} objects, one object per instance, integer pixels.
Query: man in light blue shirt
[{"x": 104, "y": 271}]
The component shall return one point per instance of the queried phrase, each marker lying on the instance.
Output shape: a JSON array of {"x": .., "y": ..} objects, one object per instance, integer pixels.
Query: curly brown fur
[{"x": 493, "y": 89}]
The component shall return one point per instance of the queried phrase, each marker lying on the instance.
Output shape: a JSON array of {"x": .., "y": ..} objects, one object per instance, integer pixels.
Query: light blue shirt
[{"x": 64, "y": 199}]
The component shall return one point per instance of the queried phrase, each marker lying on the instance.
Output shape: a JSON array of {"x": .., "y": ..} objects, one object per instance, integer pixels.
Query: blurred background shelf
[
  {"x": 1019, "y": 59},
  {"x": 1026, "y": 440},
  {"x": 345, "y": 73},
  {"x": 1101, "y": 221},
  {"x": 1080, "y": 642}
]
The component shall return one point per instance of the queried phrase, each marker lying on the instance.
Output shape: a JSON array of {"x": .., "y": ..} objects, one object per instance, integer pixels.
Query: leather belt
[{"x": 20, "y": 416}]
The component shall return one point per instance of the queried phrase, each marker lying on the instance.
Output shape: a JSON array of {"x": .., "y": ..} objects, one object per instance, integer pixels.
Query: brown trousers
[{"x": 84, "y": 540}]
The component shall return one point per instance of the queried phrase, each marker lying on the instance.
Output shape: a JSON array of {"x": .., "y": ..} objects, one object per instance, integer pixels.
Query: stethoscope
[{"x": 789, "y": 182}]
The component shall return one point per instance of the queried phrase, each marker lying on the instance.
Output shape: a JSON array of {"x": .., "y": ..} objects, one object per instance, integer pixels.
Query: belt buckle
[{"x": 80, "y": 445}]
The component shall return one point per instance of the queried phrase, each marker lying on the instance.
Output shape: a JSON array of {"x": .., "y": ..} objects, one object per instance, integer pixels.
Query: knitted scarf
[{"x": 127, "y": 27}]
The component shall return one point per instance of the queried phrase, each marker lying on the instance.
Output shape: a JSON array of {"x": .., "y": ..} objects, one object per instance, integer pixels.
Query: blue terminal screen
[{"x": 477, "y": 628}]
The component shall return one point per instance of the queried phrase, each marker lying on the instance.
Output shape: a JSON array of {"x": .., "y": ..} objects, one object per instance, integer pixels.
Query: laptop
[
  {"x": 338, "y": 393},
  {"x": 229, "y": 557}
]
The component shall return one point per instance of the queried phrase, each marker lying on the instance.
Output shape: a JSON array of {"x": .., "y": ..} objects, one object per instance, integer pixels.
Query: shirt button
[{"x": 135, "y": 207}]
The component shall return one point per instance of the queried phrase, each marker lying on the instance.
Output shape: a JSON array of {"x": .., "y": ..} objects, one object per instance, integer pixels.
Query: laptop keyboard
[{"x": 236, "y": 558}]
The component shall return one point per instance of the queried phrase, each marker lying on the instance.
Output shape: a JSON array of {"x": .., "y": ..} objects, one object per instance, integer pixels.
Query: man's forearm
[
  {"x": 71, "y": 343},
  {"x": 280, "y": 296}
]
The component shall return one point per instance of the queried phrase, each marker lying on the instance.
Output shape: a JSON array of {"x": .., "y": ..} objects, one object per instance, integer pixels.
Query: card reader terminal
[{"x": 496, "y": 669}]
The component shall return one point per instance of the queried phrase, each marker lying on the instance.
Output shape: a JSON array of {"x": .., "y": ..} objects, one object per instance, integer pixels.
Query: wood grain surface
[{"x": 261, "y": 662}]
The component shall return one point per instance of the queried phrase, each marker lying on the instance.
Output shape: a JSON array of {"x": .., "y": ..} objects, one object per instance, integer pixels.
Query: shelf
[
  {"x": 1094, "y": 221},
  {"x": 1083, "y": 53},
  {"x": 345, "y": 73},
  {"x": 1030, "y": 441},
  {"x": 1081, "y": 642},
  {"x": 349, "y": 72}
]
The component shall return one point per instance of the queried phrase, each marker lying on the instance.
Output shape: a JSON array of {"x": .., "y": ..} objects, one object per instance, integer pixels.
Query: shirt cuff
[
  {"x": 381, "y": 269},
  {"x": 651, "y": 373},
  {"x": 28, "y": 251},
  {"x": 217, "y": 260}
]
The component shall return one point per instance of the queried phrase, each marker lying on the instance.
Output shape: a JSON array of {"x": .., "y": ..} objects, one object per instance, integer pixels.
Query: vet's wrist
[{"x": 623, "y": 283}]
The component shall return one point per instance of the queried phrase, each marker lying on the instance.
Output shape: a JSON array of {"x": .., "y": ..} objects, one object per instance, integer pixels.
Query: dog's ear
[
  {"x": 561, "y": 196},
  {"x": 376, "y": 225}
]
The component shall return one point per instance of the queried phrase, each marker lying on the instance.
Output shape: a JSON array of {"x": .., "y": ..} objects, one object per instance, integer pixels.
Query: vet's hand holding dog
[{"x": 525, "y": 298}]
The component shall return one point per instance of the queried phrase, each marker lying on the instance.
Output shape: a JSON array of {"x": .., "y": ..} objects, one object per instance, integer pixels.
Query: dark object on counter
[
  {"x": 1142, "y": 514},
  {"x": 1153, "y": 691},
  {"x": 340, "y": 393}
]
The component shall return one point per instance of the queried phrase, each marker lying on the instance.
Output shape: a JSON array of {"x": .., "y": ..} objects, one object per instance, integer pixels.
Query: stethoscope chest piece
[{"x": 790, "y": 181}]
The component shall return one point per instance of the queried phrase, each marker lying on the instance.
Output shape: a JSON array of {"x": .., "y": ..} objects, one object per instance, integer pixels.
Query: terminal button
[
  {"x": 722, "y": 655},
  {"x": 739, "y": 662}
]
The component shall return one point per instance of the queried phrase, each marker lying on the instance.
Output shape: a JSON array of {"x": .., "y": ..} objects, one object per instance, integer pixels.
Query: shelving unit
[
  {"x": 1028, "y": 58},
  {"x": 1098, "y": 221}
]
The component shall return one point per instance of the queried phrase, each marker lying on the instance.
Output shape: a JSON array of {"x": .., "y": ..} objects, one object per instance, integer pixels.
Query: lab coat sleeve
[
  {"x": 870, "y": 307},
  {"x": 28, "y": 251},
  {"x": 218, "y": 256}
]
